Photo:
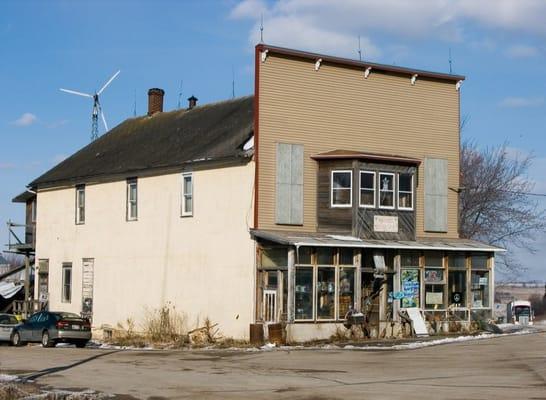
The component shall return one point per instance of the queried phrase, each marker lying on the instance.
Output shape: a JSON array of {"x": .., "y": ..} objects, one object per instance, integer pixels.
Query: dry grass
[{"x": 165, "y": 325}]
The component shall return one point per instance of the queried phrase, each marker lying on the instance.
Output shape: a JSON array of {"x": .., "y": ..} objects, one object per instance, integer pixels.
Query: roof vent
[
  {"x": 192, "y": 102},
  {"x": 155, "y": 100}
]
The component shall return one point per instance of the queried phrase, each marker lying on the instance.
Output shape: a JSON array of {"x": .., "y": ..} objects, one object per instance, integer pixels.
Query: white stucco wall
[{"x": 204, "y": 264}]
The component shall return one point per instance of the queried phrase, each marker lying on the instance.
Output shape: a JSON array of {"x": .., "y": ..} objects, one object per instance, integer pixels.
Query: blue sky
[{"x": 500, "y": 45}]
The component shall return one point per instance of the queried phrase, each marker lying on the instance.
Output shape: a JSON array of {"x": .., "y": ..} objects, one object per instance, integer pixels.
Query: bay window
[
  {"x": 341, "y": 189},
  {"x": 386, "y": 190},
  {"x": 405, "y": 191},
  {"x": 367, "y": 189}
]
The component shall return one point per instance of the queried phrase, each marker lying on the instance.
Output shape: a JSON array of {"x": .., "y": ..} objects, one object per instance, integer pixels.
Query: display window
[
  {"x": 304, "y": 293},
  {"x": 326, "y": 292},
  {"x": 346, "y": 290}
]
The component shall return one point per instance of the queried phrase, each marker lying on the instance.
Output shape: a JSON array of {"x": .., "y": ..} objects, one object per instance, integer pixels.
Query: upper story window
[
  {"x": 342, "y": 189},
  {"x": 132, "y": 203},
  {"x": 367, "y": 189},
  {"x": 80, "y": 204},
  {"x": 405, "y": 191},
  {"x": 66, "y": 295},
  {"x": 33, "y": 210},
  {"x": 187, "y": 194},
  {"x": 386, "y": 190}
]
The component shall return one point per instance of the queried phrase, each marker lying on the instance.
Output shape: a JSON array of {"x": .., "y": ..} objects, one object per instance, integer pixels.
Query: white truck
[{"x": 519, "y": 312}]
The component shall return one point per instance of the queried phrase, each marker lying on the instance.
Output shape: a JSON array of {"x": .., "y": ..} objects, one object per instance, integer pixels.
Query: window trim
[
  {"x": 404, "y": 191},
  {"x": 130, "y": 182},
  {"x": 374, "y": 173},
  {"x": 79, "y": 221},
  {"x": 183, "y": 211},
  {"x": 33, "y": 210},
  {"x": 334, "y": 171},
  {"x": 394, "y": 191},
  {"x": 66, "y": 299}
]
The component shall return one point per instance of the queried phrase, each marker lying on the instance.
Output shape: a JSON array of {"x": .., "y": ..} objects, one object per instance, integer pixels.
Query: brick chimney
[
  {"x": 192, "y": 102},
  {"x": 155, "y": 100}
]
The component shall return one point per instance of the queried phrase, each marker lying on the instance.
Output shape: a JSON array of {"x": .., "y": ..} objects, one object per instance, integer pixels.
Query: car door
[
  {"x": 39, "y": 327},
  {"x": 26, "y": 329}
]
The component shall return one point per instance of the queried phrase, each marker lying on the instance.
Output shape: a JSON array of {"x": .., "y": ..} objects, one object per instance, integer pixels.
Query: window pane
[
  {"x": 341, "y": 180},
  {"x": 304, "y": 293},
  {"x": 434, "y": 296},
  {"x": 325, "y": 256},
  {"x": 132, "y": 192},
  {"x": 434, "y": 275},
  {"x": 387, "y": 199},
  {"x": 405, "y": 200},
  {"x": 366, "y": 198},
  {"x": 433, "y": 260},
  {"x": 133, "y": 210},
  {"x": 274, "y": 257},
  {"x": 346, "y": 256},
  {"x": 457, "y": 261},
  {"x": 409, "y": 259},
  {"x": 187, "y": 185},
  {"x": 188, "y": 204},
  {"x": 341, "y": 197},
  {"x": 480, "y": 288},
  {"x": 404, "y": 183},
  {"x": 457, "y": 288},
  {"x": 410, "y": 287},
  {"x": 346, "y": 290},
  {"x": 386, "y": 182},
  {"x": 305, "y": 255},
  {"x": 479, "y": 261},
  {"x": 326, "y": 287},
  {"x": 366, "y": 180}
]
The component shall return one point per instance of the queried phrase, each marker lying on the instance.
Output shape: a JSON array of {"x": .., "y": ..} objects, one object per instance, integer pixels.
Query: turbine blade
[
  {"x": 77, "y": 93},
  {"x": 109, "y": 81},
  {"x": 103, "y": 120}
]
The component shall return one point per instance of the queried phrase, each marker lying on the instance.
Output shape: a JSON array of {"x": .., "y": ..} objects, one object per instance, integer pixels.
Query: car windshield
[
  {"x": 8, "y": 319},
  {"x": 68, "y": 315}
]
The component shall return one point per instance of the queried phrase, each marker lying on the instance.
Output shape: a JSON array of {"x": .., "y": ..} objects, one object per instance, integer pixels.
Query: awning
[
  {"x": 299, "y": 239},
  {"x": 9, "y": 289}
]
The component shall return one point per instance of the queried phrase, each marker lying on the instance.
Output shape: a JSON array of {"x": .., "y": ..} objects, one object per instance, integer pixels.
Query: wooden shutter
[
  {"x": 435, "y": 195},
  {"x": 289, "y": 184}
]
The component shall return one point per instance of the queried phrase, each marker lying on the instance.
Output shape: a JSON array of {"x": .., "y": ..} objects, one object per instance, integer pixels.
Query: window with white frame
[
  {"x": 132, "y": 200},
  {"x": 367, "y": 189},
  {"x": 405, "y": 191},
  {"x": 67, "y": 283},
  {"x": 80, "y": 204},
  {"x": 342, "y": 189},
  {"x": 386, "y": 190},
  {"x": 187, "y": 194}
]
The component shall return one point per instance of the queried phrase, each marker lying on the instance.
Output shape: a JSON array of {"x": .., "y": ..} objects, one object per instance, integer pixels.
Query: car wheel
[
  {"x": 81, "y": 344},
  {"x": 16, "y": 339},
  {"x": 46, "y": 340}
]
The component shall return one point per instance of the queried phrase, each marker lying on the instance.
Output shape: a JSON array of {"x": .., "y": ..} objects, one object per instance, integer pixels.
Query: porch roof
[{"x": 319, "y": 239}]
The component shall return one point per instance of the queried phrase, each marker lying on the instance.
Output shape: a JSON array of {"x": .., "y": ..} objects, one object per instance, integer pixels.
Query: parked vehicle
[
  {"x": 520, "y": 312},
  {"x": 7, "y": 323},
  {"x": 50, "y": 328}
]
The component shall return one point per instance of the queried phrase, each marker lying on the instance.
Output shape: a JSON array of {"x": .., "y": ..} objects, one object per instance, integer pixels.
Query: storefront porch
[{"x": 312, "y": 282}]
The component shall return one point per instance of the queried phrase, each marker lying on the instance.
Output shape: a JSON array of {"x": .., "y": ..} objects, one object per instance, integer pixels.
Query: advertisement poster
[{"x": 410, "y": 287}]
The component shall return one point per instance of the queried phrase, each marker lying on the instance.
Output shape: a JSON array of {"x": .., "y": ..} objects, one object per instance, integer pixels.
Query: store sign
[
  {"x": 410, "y": 288},
  {"x": 382, "y": 223}
]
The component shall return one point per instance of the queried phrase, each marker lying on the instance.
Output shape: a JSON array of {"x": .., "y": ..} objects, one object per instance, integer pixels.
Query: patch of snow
[
  {"x": 8, "y": 378},
  {"x": 343, "y": 237},
  {"x": 268, "y": 346}
]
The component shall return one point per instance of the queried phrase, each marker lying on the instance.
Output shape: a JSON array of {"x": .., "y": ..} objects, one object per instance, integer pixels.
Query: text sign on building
[{"x": 382, "y": 223}]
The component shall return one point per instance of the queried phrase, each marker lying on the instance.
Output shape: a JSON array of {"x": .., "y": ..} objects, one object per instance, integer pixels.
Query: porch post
[
  {"x": 396, "y": 287},
  {"x": 357, "y": 263},
  {"x": 291, "y": 284}
]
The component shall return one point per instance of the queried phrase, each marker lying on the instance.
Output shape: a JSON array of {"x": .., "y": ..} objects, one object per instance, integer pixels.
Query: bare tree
[{"x": 496, "y": 202}]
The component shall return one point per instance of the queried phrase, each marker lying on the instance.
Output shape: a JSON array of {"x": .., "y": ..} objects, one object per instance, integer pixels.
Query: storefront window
[
  {"x": 304, "y": 255},
  {"x": 346, "y": 290},
  {"x": 409, "y": 260},
  {"x": 346, "y": 257},
  {"x": 457, "y": 287},
  {"x": 326, "y": 290},
  {"x": 409, "y": 280},
  {"x": 479, "y": 261},
  {"x": 434, "y": 281},
  {"x": 457, "y": 261},
  {"x": 274, "y": 257},
  {"x": 480, "y": 289},
  {"x": 304, "y": 293}
]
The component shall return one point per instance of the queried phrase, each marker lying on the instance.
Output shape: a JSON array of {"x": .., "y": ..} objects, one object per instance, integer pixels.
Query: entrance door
[
  {"x": 87, "y": 287},
  {"x": 43, "y": 284}
]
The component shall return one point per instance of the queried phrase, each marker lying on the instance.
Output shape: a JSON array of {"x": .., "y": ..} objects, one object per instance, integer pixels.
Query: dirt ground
[{"x": 508, "y": 367}]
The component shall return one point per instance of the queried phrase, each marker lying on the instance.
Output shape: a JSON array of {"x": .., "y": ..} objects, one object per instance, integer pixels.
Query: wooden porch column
[
  {"x": 291, "y": 284},
  {"x": 26, "y": 304},
  {"x": 357, "y": 263},
  {"x": 396, "y": 287}
]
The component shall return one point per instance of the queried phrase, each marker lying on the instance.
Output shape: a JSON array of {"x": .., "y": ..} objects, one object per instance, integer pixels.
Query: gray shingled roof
[{"x": 215, "y": 131}]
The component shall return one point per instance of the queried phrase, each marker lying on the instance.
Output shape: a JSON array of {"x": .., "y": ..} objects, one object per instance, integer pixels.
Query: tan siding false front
[{"x": 337, "y": 108}]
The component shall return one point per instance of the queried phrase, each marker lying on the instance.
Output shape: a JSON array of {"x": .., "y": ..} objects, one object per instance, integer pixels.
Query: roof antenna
[
  {"x": 134, "y": 106},
  {"x": 450, "y": 70},
  {"x": 180, "y": 94},
  {"x": 232, "y": 82},
  {"x": 359, "y": 49},
  {"x": 262, "y": 29}
]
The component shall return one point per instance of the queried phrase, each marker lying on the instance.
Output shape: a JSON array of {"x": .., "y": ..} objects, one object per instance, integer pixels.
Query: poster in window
[
  {"x": 410, "y": 287},
  {"x": 434, "y": 276}
]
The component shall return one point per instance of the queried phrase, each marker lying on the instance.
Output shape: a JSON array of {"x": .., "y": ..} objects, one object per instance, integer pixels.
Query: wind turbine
[{"x": 97, "y": 109}]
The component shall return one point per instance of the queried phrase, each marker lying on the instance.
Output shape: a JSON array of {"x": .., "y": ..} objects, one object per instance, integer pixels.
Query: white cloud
[
  {"x": 7, "y": 166},
  {"x": 522, "y": 102},
  {"x": 26, "y": 119},
  {"x": 521, "y": 51},
  {"x": 320, "y": 24}
]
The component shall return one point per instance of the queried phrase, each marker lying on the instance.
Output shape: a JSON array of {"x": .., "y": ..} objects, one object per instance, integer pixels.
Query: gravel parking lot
[{"x": 508, "y": 367}]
